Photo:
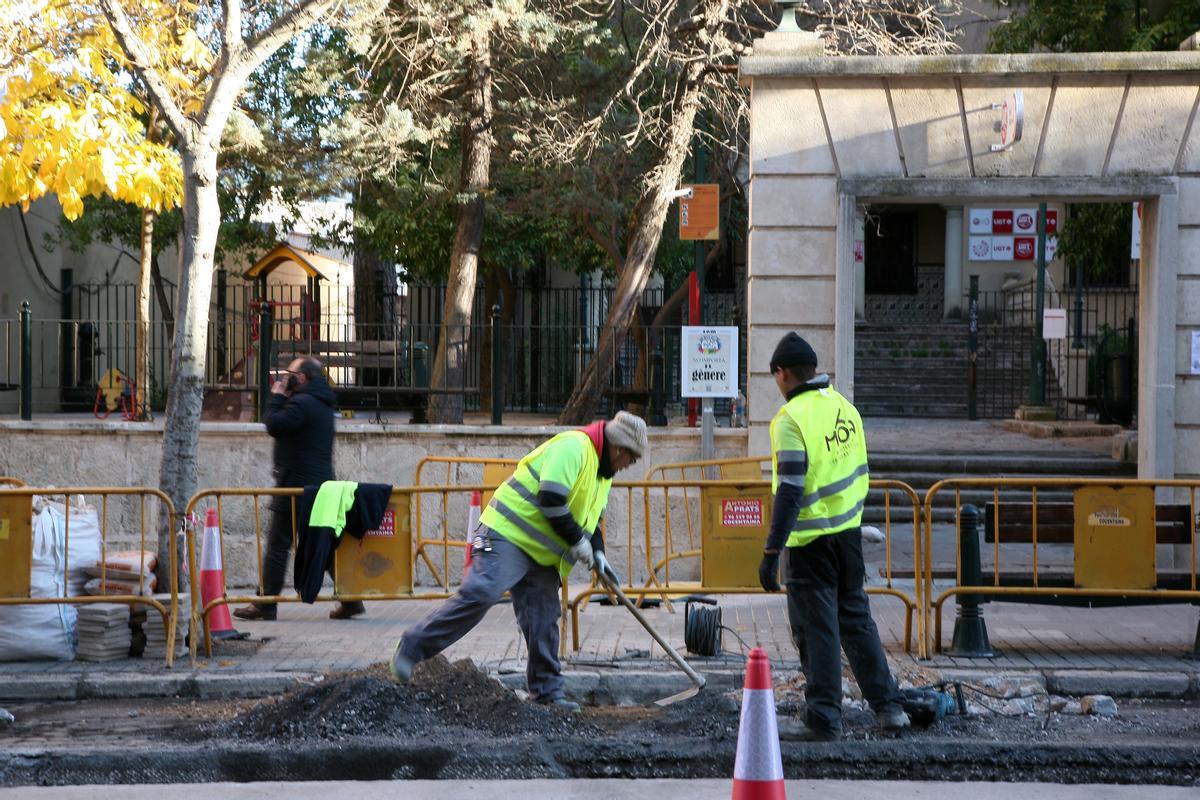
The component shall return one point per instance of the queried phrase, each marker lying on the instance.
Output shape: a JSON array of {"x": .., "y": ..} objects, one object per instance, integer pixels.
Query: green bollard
[
  {"x": 26, "y": 361},
  {"x": 970, "y": 630}
]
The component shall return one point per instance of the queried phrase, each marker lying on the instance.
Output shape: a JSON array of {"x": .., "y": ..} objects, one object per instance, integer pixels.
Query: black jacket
[
  {"x": 315, "y": 544},
  {"x": 302, "y": 426}
]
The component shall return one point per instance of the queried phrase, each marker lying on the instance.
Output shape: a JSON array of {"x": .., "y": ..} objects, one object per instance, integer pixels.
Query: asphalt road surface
[{"x": 599, "y": 790}]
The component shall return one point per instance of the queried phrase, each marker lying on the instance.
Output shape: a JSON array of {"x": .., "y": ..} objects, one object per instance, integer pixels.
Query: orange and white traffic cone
[
  {"x": 758, "y": 770},
  {"x": 472, "y": 523},
  {"x": 212, "y": 579}
]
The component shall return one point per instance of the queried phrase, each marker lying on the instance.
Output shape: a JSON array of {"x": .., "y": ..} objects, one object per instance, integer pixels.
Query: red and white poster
[
  {"x": 387, "y": 528},
  {"x": 1002, "y": 221},
  {"x": 1024, "y": 248},
  {"x": 1024, "y": 221},
  {"x": 741, "y": 513},
  {"x": 1051, "y": 221},
  {"x": 1002, "y": 248}
]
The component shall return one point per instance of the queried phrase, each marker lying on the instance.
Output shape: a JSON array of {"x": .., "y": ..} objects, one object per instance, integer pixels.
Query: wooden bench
[{"x": 1056, "y": 526}]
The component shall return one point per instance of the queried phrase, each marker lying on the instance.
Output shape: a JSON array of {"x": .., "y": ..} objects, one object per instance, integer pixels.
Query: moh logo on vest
[{"x": 842, "y": 431}]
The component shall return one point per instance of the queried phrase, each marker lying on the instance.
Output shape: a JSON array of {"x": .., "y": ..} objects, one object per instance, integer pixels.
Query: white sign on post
[
  {"x": 1054, "y": 323},
  {"x": 1196, "y": 352},
  {"x": 710, "y": 361}
]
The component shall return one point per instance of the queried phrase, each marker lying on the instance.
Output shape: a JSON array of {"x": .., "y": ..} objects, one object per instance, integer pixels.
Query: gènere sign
[{"x": 709, "y": 359}]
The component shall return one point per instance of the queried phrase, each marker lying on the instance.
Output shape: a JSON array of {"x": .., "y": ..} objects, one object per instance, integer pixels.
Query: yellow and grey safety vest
[
  {"x": 817, "y": 444},
  {"x": 567, "y": 464}
]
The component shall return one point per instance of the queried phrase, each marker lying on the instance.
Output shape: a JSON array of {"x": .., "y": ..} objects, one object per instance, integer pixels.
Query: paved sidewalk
[{"x": 1121, "y": 650}]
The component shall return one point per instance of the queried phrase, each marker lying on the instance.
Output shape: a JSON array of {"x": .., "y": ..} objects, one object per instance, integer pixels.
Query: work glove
[
  {"x": 768, "y": 572},
  {"x": 604, "y": 569},
  {"x": 581, "y": 552}
]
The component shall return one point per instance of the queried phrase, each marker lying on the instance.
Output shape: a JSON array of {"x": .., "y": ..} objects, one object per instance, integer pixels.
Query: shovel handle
[{"x": 695, "y": 677}]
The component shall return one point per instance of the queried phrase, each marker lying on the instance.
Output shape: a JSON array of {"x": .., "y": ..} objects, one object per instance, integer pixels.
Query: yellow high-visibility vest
[
  {"x": 819, "y": 434},
  {"x": 568, "y": 464}
]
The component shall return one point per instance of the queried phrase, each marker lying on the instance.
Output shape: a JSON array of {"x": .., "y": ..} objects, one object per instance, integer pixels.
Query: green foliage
[
  {"x": 1096, "y": 236},
  {"x": 1086, "y": 26}
]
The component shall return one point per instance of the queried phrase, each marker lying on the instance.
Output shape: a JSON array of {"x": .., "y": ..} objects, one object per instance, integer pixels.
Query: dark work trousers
[
  {"x": 535, "y": 597},
  {"x": 276, "y": 553},
  {"x": 825, "y": 581}
]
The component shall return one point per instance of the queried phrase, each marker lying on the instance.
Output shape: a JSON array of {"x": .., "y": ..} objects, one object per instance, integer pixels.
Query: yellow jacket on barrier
[
  {"x": 567, "y": 464},
  {"x": 817, "y": 444}
]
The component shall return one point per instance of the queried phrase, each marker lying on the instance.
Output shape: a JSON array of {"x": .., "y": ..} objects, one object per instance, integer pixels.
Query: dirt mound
[{"x": 441, "y": 697}]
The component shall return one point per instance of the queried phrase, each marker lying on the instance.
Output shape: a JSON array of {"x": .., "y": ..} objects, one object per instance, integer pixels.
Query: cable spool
[{"x": 702, "y": 626}]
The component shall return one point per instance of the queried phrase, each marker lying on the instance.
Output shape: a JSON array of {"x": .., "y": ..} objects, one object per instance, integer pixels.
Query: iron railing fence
[
  {"x": 388, "y": 367},
  {"x": 1089, "y": 373}
]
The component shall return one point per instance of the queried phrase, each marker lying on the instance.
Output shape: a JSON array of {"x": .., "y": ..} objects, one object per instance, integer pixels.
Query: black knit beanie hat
[{"x": 792, "y": 351}]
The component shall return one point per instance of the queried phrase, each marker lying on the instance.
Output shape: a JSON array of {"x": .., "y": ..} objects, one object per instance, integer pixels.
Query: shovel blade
[{"x": 686, "y": 694}]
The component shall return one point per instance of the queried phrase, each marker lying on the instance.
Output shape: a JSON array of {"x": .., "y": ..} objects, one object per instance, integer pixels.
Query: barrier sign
[
  {"x": 709, "y": 361},
  {"x": 741, "y": 513},
  {"x": 1115, "y": 538},
  {"x": 381, "y": 562},
  {"x": 732, "y": 534},
  {"x": 16, "y": 545}
]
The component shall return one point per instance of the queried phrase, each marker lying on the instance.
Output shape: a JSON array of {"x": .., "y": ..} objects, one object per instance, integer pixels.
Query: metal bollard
[
  {"x": 658, "y": 413},
  {"x": 26, "y": 361},
  {"x": 970, "y": 630},
  {"x": 973, "y": 350},
  {"x": 264, "y": 358},
  {"x": 497, "y": 369},
  {"x": 420, "y": 380}
]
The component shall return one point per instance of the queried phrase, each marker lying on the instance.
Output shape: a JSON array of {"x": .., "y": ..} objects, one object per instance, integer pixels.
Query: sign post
[{"x": 709, "y": 359}]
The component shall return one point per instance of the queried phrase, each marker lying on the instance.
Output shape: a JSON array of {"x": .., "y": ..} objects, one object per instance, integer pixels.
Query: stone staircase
[
  {"x": 921, "y": 471},
  {"x": 911, "y": 370}
]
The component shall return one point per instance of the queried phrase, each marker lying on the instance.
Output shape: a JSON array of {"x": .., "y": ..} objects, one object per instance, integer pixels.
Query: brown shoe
[
  {"x": 348, "y": 610},
  {"x": 254, "y": 612}
]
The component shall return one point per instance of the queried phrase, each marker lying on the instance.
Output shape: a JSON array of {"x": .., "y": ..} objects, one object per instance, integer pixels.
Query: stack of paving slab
[
  {"x": 156, "y": 634},
  {"x": 104, "y": 633}
]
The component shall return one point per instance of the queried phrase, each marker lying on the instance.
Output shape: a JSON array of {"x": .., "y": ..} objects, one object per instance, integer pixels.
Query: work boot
[
  {"x": 348, "y": 610},
  {"x": 401, "y": 666},
  {"x": 793, "y": 730},
  {"x": 894, "y": 720},
  {"x": 561, "y": 703},
  {"x": 255, "y": 612}
]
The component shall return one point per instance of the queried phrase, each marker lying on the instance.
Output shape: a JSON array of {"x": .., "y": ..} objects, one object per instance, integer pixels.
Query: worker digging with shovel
[{"x": 540, "y": 523}]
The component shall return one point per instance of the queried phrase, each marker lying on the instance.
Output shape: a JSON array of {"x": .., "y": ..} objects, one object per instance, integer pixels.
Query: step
[{"x": 1008, "y": 463}]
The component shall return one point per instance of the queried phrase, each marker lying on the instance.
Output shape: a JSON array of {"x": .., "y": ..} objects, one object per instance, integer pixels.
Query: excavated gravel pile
[{"x": 367, "y": 703}]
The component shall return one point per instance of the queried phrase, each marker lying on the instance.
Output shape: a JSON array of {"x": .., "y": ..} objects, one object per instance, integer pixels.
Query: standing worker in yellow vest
[
  {"x": 820, "y": 479},
  {"x": 540, "y": 522}
]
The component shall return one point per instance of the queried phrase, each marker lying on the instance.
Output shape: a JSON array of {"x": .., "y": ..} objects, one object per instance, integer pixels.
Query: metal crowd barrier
[
  {"x": 16, "y": 549},
  {"x": 495, "y": 471},
  {"x": 1113, "y": 526},
  {"x": 6, "y": 480},
  {"x": 726, "y": 533},
  {"x": 381, "y": 566}
]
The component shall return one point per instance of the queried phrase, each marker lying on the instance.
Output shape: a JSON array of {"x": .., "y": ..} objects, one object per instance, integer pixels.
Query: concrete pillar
[
  {"x": 1157, "y": 312},
  {"x": 860, "y": 262},
  {"x": 952, "y": 278},
  {"x": 845, "y": 293}
]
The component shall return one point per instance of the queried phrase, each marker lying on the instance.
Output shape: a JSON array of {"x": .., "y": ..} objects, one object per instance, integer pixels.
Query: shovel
[{"x": 696, "y": 678}]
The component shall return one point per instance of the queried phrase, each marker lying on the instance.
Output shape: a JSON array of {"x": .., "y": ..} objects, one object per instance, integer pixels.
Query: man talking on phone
[{"x": 299, "y": 418}]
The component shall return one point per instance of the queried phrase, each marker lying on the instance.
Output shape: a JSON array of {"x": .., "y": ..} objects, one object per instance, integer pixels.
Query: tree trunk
[
  {"x": 179, "y": 470},
  {"x": 141, "y": 372},
  {"x": 647, "y": 224},
  {"x": 449, "y": 366}
]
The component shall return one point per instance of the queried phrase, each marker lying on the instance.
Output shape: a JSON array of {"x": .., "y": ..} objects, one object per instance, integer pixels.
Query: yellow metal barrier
[
  {"x": 495, "y": 471},
  {"x": 5, "y": 480},
  {"x": 1114, "y": 528},
  {"x": 736, "y": 515},
  {"x": 16, "y": 549},
  {"x": 378, "y": 567}
]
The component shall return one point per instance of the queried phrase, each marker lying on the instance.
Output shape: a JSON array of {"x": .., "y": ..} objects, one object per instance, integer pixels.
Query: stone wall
[{"x": 91, "y": 453}]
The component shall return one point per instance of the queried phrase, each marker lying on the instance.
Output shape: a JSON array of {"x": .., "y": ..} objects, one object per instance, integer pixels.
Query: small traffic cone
[
  {"x": 472, "y": 523},
  {"x": 212, "y": 579},
  {"x": 758, "y": 770}
]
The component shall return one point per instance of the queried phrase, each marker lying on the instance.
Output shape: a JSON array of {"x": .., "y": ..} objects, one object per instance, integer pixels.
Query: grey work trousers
[{"x": 535, "y": 596}]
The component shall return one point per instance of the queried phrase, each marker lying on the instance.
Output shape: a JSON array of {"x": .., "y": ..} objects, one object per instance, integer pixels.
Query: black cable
[{"x": 702, "y": 629}]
